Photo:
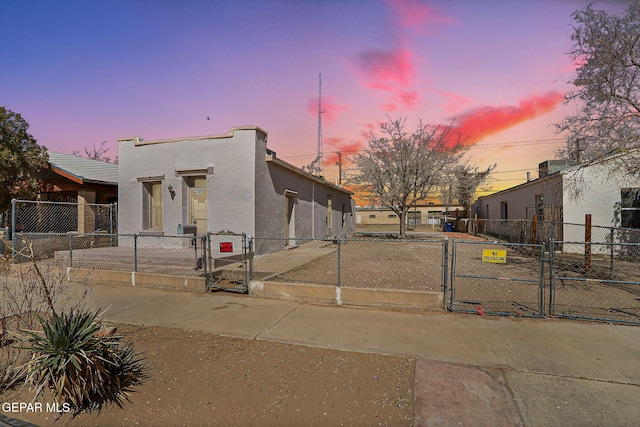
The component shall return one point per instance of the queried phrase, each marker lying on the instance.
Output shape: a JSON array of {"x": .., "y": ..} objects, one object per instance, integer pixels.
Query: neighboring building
[
  {"x": 610, "y": 202},
  {"x": 423, "y": 215},
  {"x": 81, "y": 185},
  {"x": 229, "y": 182},
  {"x": 75, "y": 179}
]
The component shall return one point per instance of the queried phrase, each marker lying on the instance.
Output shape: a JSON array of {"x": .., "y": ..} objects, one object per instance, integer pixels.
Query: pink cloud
[
  {"x": 481, "y": 122},
  {"x": 453, "y": 101},
  {"x": 379, "y": 67},
  {"x": 416, "y": 15},
  {"x": 346, "y": 148},
  {"x": 331, "y": 110}
]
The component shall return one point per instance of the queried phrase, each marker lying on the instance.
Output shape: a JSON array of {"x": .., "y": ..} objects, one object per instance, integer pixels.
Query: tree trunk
[{"x": 402, "y": 214}]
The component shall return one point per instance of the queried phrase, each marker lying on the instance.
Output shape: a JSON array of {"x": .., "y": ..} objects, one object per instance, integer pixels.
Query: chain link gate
[
  {"x": 595, "y": 281},
  {"x": 497, "y": 278},
  {"x": 228, "y": 256}
]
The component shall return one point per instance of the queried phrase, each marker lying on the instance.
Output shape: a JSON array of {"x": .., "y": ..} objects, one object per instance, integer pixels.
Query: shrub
[{"x": 79, "y": 366}]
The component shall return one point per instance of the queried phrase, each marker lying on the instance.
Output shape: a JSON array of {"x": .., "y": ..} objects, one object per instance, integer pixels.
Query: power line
[{"x": 472, "y": 147}]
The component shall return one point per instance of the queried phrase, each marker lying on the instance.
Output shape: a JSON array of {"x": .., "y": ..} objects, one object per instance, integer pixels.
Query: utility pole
[
  {"x": 320, "y": 148},
  {"x": 339, "y": 163}
]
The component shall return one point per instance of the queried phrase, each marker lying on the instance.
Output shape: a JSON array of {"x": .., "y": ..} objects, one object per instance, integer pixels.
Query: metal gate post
[
  {"x": 203, "y": 241},
  {"x": 551, "y": 281},
  {"x": 70, "y": 251},
  {"x": 445, "y": 270},
  {"x": 135, "y": 252},
  {"x": 250, "y": 258},
  {"x": 13, "y": 228},
  {"x": 445, "y": 266},
  {"x": 541, "y": 283},
  {"x": 245, "y": 273},
  {"x": 452, "y": 287},
  {"x": 209, "y": 258},
  {"x": 339, "y": 272}
]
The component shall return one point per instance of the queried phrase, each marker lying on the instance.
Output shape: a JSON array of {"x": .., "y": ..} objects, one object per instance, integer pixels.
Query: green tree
[
  {"x": 20, "y": 159},
  {"x": 400, "y": 169},
  {"x": 606, "y": 50}
]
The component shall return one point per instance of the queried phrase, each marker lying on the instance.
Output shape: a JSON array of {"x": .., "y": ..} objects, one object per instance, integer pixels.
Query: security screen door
[{"x": 198, "y": 204}]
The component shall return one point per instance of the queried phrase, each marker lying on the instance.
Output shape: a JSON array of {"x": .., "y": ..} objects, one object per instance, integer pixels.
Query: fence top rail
[
  {"x": 51, "y": 202},
  {"x": 596, "y": 243},
  {"x": 493, "y": 242},
  {"x": 353, "y": 239},
  {"x": 98, "y": 234}
]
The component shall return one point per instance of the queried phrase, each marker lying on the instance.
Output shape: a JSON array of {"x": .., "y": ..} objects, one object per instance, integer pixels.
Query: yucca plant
[{"x": 82, "y": 370}]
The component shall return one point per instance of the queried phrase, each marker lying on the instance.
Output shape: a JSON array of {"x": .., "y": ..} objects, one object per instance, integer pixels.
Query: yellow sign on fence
[{"x": 497, "y": 256}]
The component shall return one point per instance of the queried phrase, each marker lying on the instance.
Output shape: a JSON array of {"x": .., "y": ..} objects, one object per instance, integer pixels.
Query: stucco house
[
  {"x": 612, "y": 201},
  {"x": 229, "y": 182}
]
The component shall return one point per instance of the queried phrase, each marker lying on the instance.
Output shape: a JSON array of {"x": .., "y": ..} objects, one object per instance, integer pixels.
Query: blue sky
[{"x": 84, "y": 72}]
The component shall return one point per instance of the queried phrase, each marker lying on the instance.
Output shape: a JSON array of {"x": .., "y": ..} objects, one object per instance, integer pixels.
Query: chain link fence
[
  {"x": 597, "y": 281},
  {"x": 30, "y": 216},
  {"x": 354, "y": 262},
  {"x": 542, "y": 232},
  {"x": 221, "y": 258}
]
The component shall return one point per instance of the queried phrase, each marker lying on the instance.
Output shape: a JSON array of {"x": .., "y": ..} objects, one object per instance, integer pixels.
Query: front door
[{"x": 198, "y": 204}]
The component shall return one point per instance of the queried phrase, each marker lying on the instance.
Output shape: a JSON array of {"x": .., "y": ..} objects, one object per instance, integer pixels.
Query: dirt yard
[{"x": 199, "y": 379}]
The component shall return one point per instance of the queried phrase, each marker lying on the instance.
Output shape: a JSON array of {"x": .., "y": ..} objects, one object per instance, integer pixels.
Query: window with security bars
[{"x": 630, "y": 208}]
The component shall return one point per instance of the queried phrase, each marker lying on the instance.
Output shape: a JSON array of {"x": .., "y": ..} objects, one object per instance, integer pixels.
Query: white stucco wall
[
  {"x": 245, "y": 192},
  {"x": 230, "y": 188},
  {"x": 600, "y": 197}
]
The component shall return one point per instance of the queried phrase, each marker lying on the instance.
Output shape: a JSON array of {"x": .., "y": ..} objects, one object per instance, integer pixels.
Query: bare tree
[
  {"x": 606, "y": 48},
  {"x": 398, "y": 169},
  {"x": 97, "y": 153},
  {"x": 466, "y": 181}
]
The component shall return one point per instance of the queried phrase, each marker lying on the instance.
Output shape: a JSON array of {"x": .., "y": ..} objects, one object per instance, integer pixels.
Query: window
[
  {"x": 391, "y": 216},
  {"x": 344, "y": 215},
  {"x": 630, "y": 208},
  {"x": 504, "y": 210},
  {"x": 153, "y": 205},
  {"x": 372, "y": 216},
  {"x": 414, "y": 218},
  {"x": 540, "y": 206},
  {"x": 330, "y": 212}
]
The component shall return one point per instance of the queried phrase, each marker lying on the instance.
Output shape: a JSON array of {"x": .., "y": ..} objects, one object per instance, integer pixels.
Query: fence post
[
  {"x": 135, "y": 252},
  {"x": 251, "y": 258},
  {"x": 13, "y": 227},
  {"x": 339, "y": 266},
  {"x": 70, "y": 250},
  {"x": 445, "y": 269},
  {"x": 203, "y": 240},
  {"x": 452, "y": 275},
  {"x": 551, "y": 281},
  {"x": 245, "y": 261},
  {"x": 587, "y": 243},
  {"x": 534, "y": 231},
  {"x": 611, "y": 237}
]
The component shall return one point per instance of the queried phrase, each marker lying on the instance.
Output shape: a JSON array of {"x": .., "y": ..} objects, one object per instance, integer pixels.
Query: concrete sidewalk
[{"x": 471, "y": 370}]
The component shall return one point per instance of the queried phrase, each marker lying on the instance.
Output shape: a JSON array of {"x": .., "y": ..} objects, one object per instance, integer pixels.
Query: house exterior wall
[
  {"x": 427, "y": 215},
  {"x": 248, "y": 191},
  {"x": 230, "y": 186},
  {"x": 601, "y": 199},
  {"x": 275, "y": 185},
  {"x": 521, "y": 201}
]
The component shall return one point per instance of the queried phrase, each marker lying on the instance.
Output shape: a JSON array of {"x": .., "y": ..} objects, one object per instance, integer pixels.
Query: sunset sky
[{"x": 81, "y": 72}]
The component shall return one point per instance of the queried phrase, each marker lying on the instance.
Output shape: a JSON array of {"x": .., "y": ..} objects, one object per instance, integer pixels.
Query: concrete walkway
[{"x": 470, "y": 370}]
